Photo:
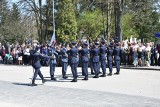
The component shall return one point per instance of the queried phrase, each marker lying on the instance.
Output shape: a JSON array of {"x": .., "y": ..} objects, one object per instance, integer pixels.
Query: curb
[{"x": 142, "y": 68}]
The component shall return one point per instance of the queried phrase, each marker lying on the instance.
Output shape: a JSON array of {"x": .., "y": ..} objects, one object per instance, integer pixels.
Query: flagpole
[
  {"x": 53, "y": 39},
  {"x": 53, "y": 19}
]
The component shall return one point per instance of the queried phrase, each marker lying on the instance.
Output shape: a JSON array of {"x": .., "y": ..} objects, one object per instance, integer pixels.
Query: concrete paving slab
[{"x": 132, "y": 88}]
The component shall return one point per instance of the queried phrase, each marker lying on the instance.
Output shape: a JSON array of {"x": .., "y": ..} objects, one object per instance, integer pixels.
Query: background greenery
[{"x": 76, "y": 19}]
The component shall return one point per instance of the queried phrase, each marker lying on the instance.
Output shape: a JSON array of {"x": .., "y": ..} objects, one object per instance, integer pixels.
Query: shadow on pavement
[{"x": 22, "y": 84}]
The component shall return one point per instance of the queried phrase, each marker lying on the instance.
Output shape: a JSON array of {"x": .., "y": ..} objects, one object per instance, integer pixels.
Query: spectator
[
  {"x": 13, "y": 53},
  {"x": 1, "y": 60},
  {"x": 26, "y": 56},
  {"x": 148, "y": 54},
  {"x": 3, "y": 52},
  {"x": 19, "y": 56},
  {"x": 139, "y": 56}
]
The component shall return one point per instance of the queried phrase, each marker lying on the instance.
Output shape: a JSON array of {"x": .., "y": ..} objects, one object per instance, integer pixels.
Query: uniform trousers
[
  {"x": 103, "y": 66},
  {"x": 96, "y": 68},
  {"x": 117, "y": 63},
  {"x": 37, "y": 72},
  {"x": 74, "y": 70},
  {"x": 52, "y": 69},
  {"x": 91, "y": 65},
  {"x": 110, "y": 66},
  {"x": 85, "y": 69},
  {"x": 64, "y": 68}
]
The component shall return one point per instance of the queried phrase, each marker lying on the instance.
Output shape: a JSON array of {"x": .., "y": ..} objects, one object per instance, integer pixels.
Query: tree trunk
[
  {"x": 119, "y": 25},
  {"x": 119, "y": 20},
  {"x": 41, "y": 37},
  {"x": 47, "y": 19},
  {"x": 109, "y": 21}
]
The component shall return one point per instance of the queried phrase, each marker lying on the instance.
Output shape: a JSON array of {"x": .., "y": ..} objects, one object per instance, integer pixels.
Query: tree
[
  {"x": 4, "y": 18},
  {"x": 31, "y": 8},
  {"x": 15, "y": 13},
  {"x": 128, "y": 29},
  {"x": 91, "y": 23},
  {"x": 145, "y": 18},
  {"x": 66, "y": 21},
  {"x": 16, "y": 28},
  {"x": 119, "y": 11}
]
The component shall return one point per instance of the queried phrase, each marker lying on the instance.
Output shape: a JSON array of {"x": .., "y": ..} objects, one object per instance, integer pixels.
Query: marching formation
[{"x": 96, "y": 56}]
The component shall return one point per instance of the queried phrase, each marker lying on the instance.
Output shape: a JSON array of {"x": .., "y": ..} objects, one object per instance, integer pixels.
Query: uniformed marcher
[
  {"x": 64, "y": 60},
  {"x": 85, "y": 60},
  {"x": 73, "y": 54},
  {"x": 36, "y": 58},
  {"x": 110, "y": 59},
  {"x": 103, "y": 51},
  {"x": 96, "y": 61},
  {"x": 117, "y": 57},
  {"x": 52, "y": 52},
  {"x": 91, "y": 59}
]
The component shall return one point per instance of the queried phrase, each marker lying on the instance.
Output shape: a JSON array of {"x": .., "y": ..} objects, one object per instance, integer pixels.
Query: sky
[{"x": 13, "y": 1}]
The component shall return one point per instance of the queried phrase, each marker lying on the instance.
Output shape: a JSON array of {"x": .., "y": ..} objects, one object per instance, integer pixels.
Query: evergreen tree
[
  {"x": 66, "y": 21},
  {"x": 145, "y": 18},
  {"x": 15, "y": 13},
  {"x": 4, "y": 19},
  {"x": 4, "y": 11}
]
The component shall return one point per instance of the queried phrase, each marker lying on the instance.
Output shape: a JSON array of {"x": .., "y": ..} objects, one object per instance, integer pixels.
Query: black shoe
[
  {"x": 33, "y": 84},
  {"x": 109, "y": 74},
  {"x": 54, "y": 79},
  {"x": 117, "y": 73},
  {"x": 65, "y": 77},
  {"x": 103, "y": 75},
  {"x": 74, "y": 80},
  {"x": 43, "y": 81},
  {"x": 96, "y": 77},
  {"x": 85, "y": 79}
]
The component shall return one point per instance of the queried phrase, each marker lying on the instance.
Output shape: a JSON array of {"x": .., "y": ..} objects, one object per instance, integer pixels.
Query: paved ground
[{"x": 132, "y": 88}]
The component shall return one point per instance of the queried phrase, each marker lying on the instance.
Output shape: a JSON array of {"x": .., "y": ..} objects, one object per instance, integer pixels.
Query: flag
[{"x": 53, "y": 39}]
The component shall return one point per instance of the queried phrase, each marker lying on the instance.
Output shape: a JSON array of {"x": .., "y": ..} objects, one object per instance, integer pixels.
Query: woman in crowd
[
  {"x": 19, "y": 56},
  {"x": 139, "y": 50},
  {"x": 13, "y": 54},
  {"x": 148, "y": 54},
  {"x": 26, "y": 55},
  {"x": 3, "y": 53}
]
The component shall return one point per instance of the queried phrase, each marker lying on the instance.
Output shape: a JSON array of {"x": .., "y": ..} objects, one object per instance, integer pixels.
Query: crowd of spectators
[
  {"x": 21, "y": 54},
  {"x": 137, "y": 54}
]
